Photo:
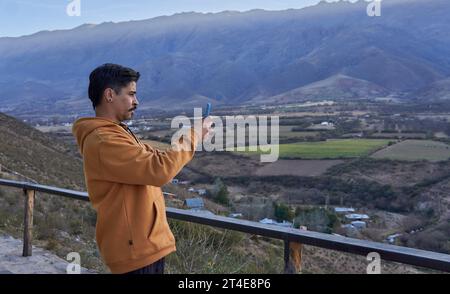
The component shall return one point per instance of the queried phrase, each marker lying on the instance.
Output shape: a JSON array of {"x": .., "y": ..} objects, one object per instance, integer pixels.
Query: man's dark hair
[{"x": 112, "y": 76}]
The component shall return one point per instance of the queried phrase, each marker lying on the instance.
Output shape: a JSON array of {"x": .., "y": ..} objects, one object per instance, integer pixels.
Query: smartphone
[{"x": 207, "y": 110}]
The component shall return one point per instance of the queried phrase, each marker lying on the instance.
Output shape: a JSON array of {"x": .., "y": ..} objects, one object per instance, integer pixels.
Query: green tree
[
  {"x": 220, "y": 192},
  {"x": 282, "y": 212}
]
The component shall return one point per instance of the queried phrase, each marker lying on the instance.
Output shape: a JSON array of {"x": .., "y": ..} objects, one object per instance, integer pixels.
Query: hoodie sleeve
[{"x": 123, "y": 161}]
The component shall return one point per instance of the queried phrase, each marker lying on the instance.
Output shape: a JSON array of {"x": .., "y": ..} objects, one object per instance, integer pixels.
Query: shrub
[
  {"x": 220, "y": 192},
  {"x": 282, "y": 212}
]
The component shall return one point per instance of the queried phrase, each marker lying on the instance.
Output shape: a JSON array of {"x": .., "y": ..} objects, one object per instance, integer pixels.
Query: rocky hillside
[{"x": 38, "y": 156}]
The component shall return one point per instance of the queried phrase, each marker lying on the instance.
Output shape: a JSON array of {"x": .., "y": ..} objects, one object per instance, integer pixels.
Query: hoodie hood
[{"x": 84, "y": 126}]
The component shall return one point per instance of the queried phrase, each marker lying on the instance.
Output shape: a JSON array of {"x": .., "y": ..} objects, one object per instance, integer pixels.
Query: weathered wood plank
[{"x": 28, "y": 222}]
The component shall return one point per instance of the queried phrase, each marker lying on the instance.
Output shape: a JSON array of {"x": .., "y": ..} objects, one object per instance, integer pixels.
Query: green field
[
  {"x": 338, "y": 148},
  {"x": 414, "y": 150}
]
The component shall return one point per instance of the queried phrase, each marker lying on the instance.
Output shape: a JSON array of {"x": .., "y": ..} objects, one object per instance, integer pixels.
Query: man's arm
[{"x": 123, "y": 161}]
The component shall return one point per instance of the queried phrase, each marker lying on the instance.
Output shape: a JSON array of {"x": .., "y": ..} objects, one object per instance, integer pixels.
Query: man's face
[{"x": 125, "y": 102}]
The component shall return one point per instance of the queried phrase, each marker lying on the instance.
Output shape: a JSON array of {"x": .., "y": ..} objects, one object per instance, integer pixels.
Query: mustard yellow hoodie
[{"x": 123, "y": 178}]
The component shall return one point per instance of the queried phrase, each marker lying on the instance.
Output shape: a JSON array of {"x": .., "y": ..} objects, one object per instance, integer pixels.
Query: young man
[{"x": 124, "y": 176}]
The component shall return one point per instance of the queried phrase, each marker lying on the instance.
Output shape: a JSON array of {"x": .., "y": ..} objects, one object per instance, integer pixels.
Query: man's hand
[{"x": 206, "y": 127}]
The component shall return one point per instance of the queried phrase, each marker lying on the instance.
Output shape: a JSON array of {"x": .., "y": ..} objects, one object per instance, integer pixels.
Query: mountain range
[{"x": 326, "y": 51}]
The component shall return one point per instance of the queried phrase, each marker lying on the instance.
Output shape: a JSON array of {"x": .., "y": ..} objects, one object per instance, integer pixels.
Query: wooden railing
[{"x": 293, "y": 238}]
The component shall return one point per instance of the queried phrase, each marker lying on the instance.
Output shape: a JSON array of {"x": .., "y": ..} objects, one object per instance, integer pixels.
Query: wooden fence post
[
  {"x": 28, "y": 222},
  {"x": 293, "y": 256}
]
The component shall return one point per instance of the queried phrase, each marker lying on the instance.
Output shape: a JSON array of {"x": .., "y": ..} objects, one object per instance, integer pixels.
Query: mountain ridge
[{"x": 231, "y": 57}]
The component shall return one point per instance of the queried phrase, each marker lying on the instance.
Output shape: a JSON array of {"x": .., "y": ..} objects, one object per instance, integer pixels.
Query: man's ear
[{"x": 108, "y": 95}]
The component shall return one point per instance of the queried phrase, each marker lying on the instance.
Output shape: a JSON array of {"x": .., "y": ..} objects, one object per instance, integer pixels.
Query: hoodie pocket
[
  {"x": 114, "y": 237},
  {"x": 155, "y": 221},
  {"x": 160, "y": 235}
]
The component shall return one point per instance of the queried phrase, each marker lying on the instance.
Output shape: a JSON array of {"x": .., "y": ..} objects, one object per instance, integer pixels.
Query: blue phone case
[{"x": 207, "y": 111}]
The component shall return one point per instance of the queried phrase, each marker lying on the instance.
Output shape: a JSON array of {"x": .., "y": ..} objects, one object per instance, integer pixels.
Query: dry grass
[{"x": 415, "y": 150}]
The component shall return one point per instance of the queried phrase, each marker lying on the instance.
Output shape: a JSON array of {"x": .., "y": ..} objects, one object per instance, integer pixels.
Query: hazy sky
[{"x": 24, "y": 17}]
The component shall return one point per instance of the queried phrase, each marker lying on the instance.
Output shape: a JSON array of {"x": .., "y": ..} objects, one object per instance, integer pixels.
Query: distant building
[
  {"x": 348, "y": 227},
  {"x": 391, "y": 238},
  {"x": 326, "y": 124},
  {"x": 359, "y": 224},
  {"x": 356, "y": 216},
  {"x": 201, "y": 192},
  {"x": 268, "y": 221},
  {"x": 322, "y": 126},
  {"x": 194, "y": 203},
  {"x": 343, "y": 209},
  {"x": 191, "y": 189}
]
